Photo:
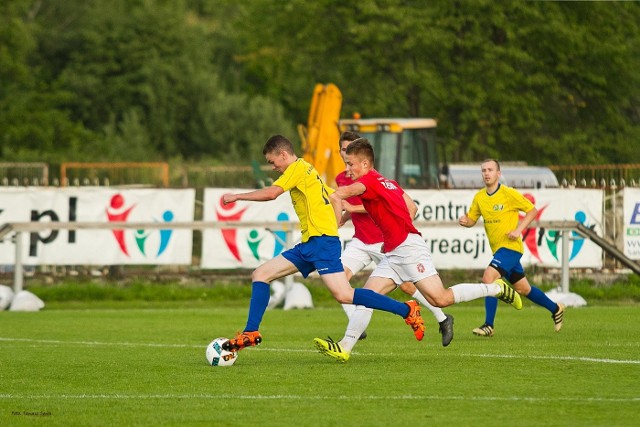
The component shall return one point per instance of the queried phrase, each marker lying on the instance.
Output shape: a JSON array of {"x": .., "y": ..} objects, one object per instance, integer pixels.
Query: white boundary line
[
  {"x": 449, "y": 354},
  {"x": 114, "y": 344},
  {"x": 569, "y": 358},
  {"x": 299, "y": 397}
]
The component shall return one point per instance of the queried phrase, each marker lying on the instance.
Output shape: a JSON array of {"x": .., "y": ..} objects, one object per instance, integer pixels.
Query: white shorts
[
  {"x": 357, "y": 255},
  {"x": 409, "y": 262}
]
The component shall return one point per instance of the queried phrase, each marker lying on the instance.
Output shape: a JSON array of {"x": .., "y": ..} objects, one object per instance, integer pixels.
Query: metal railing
[
  {"x": 564, "y": 228},
  {"x": 598, "y": 176},
  {"x": 154, "y": 174},
  {"x": 248, "y": 176},
  {"x": 29, "y": 227},
  {"x": 24, "y": 173}
]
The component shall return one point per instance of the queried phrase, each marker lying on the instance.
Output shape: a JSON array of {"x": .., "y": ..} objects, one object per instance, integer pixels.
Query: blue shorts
[
  {"x": 320, "y": 253},
  {"x": 507, "y": 262}
]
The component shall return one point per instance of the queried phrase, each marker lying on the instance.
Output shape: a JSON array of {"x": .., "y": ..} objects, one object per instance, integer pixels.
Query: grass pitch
[{"x": 135, "y": 366}]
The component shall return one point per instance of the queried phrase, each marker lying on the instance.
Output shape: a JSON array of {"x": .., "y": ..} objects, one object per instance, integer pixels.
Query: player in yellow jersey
[
  {"x": 319, "y": 250},
  {"x": 500, "y": 206}
]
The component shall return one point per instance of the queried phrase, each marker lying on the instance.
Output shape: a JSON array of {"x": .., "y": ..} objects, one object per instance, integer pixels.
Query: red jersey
[
  {"x": 384, "y": 201},
  {"x": 366, "y": 230}
]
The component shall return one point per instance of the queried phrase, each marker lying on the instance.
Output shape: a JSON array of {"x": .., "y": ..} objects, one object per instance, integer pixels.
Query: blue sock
[
  {"x": 490, "y": 308},
  {"x": 540, "y": 298},
  {"x": 371, "y": 299},
  {"x": 260, "y": 294}
]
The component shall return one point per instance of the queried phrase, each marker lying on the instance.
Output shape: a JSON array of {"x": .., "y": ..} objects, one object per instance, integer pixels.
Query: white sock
[
  {"x": 436, "y": 311},
  {"x": 349, "y": 309},
  {"x": 469, "y": 291},
  {"x": 358, "y": 323}
]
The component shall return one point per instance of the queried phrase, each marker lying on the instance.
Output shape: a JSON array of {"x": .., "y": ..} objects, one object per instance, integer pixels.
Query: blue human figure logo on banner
[
  {"x": 577, "y": 241},
  {"x": 165, "y": 236},
  {"x": 281, "y": 236}
]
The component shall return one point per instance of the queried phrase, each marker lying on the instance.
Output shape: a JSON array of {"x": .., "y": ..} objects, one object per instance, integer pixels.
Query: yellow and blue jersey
[
  {"x": 310, "y": 197},
  {"x": 500, "y": 211}
]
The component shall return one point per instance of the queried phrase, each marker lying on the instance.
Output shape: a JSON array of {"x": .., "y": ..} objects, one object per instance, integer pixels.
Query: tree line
[{"x": 210, "y": 80}]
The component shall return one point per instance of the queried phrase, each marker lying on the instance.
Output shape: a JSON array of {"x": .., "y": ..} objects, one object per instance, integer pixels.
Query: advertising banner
[
  {"x": 452, "y": 246},
  {"x": 458, "y": 247},
  {"x": 99, "y": 204},
  {"x": 631, "y": 218},
  {"x": 244, "y": 247}
]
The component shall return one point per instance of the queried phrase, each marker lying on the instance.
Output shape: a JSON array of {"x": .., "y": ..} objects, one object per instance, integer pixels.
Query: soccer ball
[{"x": 216, "y": 356}]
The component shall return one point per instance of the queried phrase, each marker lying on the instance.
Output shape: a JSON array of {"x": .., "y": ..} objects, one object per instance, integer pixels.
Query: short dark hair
[
  {"x": 361, "y": 147},
  {"x": 491, "y": 160},
  {"x": 348, "y": 136},
  {"x": 278, "y": 143}
]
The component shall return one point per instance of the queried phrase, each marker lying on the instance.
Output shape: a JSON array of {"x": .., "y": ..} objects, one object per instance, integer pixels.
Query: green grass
[{"x": 79, "y": 365}]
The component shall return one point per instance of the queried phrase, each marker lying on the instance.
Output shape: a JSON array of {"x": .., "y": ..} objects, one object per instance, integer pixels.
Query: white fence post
[
  {"x": 18, "y": 269},
  {"x": 565, "y": 260}
]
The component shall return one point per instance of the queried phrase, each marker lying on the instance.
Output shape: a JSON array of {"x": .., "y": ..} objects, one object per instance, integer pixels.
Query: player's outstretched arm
[
  {"x": 348, "y": 207},
  {"x": 261, "y": 195},
  {"x": 347, "y": 191}
]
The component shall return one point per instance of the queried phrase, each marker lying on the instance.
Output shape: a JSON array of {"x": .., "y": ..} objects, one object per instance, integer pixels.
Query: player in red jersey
[
  {"x": 406, "y": 255},
  {"x": 365, "y": 248}
]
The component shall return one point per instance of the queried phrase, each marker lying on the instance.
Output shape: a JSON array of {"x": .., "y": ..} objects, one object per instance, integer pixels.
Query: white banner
[
  {"x": 452, "y": 246},
  {"x": 459, "y": 247},
  {"x": 631, "y": 226},
  {"x": 99, "y": 204},
  {"x": 244, "y": 247}
]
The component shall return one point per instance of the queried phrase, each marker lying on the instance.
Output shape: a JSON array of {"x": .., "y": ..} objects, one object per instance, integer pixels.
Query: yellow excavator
[
  {"x": 320, "y": 137},
  {"x": 405, "y": 147}
]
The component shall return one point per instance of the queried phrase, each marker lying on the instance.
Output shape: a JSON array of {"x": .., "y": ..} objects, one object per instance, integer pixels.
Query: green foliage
[
  {"x": 501, "y": 77},
  {"x": 33, "y": 119},
  {"x": 627, "y": 291},
  {"x": 123, "y": 80},
  {"x": 545, "y": 82}
]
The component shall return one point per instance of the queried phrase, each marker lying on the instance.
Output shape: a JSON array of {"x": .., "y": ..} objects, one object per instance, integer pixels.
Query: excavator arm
[{"x": 320, "y": 138}]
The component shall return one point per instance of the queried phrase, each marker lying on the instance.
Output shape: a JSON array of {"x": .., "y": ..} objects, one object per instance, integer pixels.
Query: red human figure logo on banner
[
  {"x": 529, "y": 234},
  {"x": 117, "y": 213},
  {"x": 230, "y": 213}
]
